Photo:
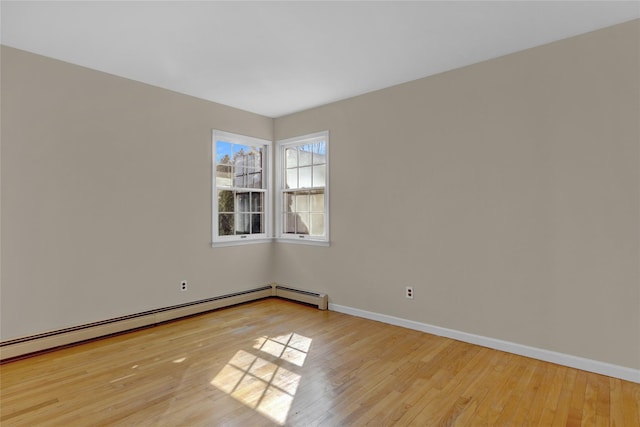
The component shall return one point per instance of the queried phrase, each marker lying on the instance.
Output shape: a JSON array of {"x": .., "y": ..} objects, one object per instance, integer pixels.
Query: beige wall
[
  {"x": 106, "y": 197},
  {"x": 505, "y": 192}
]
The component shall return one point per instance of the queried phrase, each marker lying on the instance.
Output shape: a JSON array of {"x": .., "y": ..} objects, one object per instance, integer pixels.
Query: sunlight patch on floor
[{"x": 263, "y": 385}]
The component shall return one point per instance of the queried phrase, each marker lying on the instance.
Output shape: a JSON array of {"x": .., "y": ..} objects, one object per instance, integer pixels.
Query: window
[
  {"x": 303, "y": 189},
  {"x": 241, "y": 202}
]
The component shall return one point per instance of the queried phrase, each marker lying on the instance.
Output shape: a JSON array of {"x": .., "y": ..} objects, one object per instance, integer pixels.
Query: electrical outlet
[
  {"x": 408, "y": 292},
  {"x": 183, "y": 285}
]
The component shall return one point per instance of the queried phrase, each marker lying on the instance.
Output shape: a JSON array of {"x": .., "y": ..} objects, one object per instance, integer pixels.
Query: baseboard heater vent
[
  {"x": 19, "y": 347},
  {"x": 307, "y": 297}
]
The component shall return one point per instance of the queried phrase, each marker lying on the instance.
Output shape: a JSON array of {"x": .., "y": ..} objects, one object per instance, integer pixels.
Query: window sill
[
  {"x": 309, "y": 242},
  {"x": 240, "y": 242},
  {"x": 244, "y": 242}
]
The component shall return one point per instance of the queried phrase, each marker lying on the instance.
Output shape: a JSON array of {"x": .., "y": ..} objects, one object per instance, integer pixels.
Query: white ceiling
[{"x": 275, "y": 58}]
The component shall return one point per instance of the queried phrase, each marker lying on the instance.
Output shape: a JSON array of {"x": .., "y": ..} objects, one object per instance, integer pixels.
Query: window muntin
[
  {"x": 303, "y": 203},
  {"x": 241, "y": 188}
]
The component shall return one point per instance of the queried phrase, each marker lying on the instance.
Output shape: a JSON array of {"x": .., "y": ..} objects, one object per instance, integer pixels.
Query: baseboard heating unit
[
  {"x": 18, "y": 347},
  {"x": 307, "y": 297}
]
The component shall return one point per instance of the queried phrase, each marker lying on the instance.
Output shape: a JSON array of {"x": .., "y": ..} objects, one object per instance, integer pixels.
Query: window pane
[
  {"x": 224, "y": 164},
  {"x": 256, "y": 223},
  {"x": 240, "y": 150},
  {"x": 225, "y": 201},
  {"x": 317, "y": 201},
  {"x": 239, "y": 180},
  {"x": 248, "y": 178},
  {"x": 289, "y": 202},
  {"x": 248, "y": 164},
  {"x": 243, "y": 223},
  {"x": 242, "y": 202},
  {"x": 225, "y": 225},
  {"x": 240, "y": 175},
  {"x": 256, "y": 202},
  {"x": 254, "y": 178},
  {"x": 289, "y": 225},
  {"x": 302, "y": 202},
  {"x": 319, "y": 153},
  {"x": 291, "y": 157},
  {"x": 255, "y": 158},
  {"x": 292, "y": 178},
  {"x": 319, "y": 175},
  {"x": 317, "y": 224},
  {"x": 224, "y": 152},
  {"x": 224, "y": 173},
  {"x": 302, "y": 223},
  {"x": 251, "y": 159},
  {"x": 305, "y": 154},
  {"x": 304, "y": 177}
]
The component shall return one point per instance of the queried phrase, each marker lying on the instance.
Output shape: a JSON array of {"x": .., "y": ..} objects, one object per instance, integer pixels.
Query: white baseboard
[
  {"x": 32, "y": 344},
  {"x": 52, "y": 339},
  {"x": 616, "y": 371}
]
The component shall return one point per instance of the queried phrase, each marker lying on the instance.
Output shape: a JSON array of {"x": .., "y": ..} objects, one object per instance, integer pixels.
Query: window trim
[
  {"x": 281, "y": 145},
  {"x": 242, "y": 239}
]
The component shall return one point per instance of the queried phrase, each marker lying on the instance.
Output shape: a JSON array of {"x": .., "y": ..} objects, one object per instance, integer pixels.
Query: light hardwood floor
[{"x": 274, "y": 362}]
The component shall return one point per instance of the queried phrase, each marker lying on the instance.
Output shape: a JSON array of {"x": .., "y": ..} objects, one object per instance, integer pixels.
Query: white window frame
[
  {"x": 280, "y": 165},
  {"x": 239, "y": 239}
]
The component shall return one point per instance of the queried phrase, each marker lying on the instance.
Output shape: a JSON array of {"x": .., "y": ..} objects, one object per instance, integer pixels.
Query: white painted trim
[
  {"x": 81, "y": 333},
  {"x": 26, "y": 345},
  {"x": 616, "y": 371},
  {"x": 309, "y": 242},
  {"x": 242, "y": 242}
]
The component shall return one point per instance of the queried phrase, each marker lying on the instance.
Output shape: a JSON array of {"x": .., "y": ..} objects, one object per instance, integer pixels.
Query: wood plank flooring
[{"x": 274, "y": 362}]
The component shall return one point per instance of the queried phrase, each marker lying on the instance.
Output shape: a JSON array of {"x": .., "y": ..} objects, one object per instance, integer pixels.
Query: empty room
[{"x": 320, "y": 213}]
